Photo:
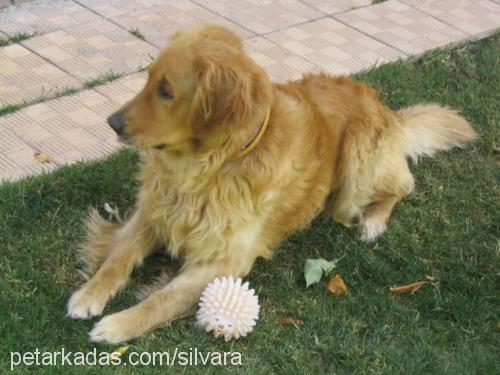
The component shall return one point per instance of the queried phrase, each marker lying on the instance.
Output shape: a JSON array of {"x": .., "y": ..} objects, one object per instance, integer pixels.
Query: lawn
[{"x": 448, "y": 229}]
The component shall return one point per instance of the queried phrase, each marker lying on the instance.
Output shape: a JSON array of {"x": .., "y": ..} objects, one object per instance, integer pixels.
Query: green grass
[
  {"x": 16, "y": 38},
  {"x": 448, "y": 228},
  {"x": 138, "y": 33},
  {"x": 9, "y": 108},
  {"x": 101, "y": 80}
]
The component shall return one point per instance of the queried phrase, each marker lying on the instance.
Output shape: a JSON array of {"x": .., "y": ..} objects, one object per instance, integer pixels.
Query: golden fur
[{"x": 330, "y": 146}]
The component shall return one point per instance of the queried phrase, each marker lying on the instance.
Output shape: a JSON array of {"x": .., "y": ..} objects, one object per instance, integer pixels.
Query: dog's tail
[{"x": 430, "y": 128}]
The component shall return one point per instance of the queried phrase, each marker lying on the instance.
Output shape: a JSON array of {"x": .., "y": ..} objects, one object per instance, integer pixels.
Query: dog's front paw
[
  {"x": 116, "y": 328},
  {"x": 87, "y": 302}
]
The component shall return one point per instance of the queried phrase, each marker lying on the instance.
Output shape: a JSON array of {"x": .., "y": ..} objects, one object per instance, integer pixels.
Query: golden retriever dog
[{"x": 233, "y": 163}]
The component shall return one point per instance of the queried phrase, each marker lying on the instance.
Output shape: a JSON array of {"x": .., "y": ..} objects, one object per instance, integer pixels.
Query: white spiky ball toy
[{"x": 228, "y": 308}]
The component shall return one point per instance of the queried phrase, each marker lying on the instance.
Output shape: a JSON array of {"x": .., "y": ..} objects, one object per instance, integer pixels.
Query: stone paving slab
[
  {"x": 123, "y": 89},
  {"x": 4, "y": 3},
  {"x": 92, "y": 49},
  {"x": 472, "y": 17},
  {"x": 279, "y": 63},
  {"x": 68, "y": 129},
  {"x": 334, "y": 47},
  {"x": 401, "y": 26},
  {"x": 263, "y": 16},
  {"x": 17, "y": 158},
  {"x": 113, "y": 8},
  {"x": 158, "y": 23},
  {"x": 43, "y": 17},
  {"x": 337, "y": 6},
  {"x": 25, "y": 76}
]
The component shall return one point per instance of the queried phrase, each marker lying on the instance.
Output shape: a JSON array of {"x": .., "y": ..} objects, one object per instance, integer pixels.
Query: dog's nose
[{"x": 116, "y": 122}]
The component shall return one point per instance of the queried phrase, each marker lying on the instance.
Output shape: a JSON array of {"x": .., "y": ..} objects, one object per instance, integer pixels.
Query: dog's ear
[{"x": 223, "y": 93}]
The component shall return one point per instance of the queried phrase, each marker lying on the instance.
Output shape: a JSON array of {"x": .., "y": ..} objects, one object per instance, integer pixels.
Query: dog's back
[{"x": 371, "y": 143}]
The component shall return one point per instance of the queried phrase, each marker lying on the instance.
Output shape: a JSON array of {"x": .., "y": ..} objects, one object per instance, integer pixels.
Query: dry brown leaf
[
  {"x": 410, "y": 288},
  {"x": 337, "y": 286},
  {"x": 288, "y": 320},
  {"x": 43, "y": 158}
]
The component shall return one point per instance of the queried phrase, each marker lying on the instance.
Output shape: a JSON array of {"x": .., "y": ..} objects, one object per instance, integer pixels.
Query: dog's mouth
[
  {"x": 160, "y": 146},
  {"x": 125, "y": 139},
  {"x": 129, "y": 140}
]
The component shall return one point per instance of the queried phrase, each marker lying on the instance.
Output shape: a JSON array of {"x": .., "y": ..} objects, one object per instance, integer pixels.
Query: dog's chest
[{"x": 197, "y": 215}]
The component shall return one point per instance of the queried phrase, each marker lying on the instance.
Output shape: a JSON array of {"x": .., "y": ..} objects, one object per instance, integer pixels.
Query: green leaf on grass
[{"x": 315, "y": 268}]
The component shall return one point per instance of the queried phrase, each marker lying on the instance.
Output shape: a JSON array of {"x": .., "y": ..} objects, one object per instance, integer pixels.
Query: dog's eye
[{"x": 164, "y": 91}]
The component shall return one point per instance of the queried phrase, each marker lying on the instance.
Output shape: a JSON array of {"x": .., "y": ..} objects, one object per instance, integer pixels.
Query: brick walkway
[{"x": 78, "y": 41}]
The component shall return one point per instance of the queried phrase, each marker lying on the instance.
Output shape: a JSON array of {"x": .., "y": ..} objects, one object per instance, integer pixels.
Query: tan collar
[{"x": 256, "y": 137}]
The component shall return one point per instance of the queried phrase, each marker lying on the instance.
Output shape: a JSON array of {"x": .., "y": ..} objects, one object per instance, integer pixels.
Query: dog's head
[{"x": 201, "y": 88}]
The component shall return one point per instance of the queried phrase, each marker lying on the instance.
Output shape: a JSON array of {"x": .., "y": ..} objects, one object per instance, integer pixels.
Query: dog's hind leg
[
  {"x": 391, "y": 187},
  {"x": 132, "y": 242},
  {"x": 374, "y": 220}
]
